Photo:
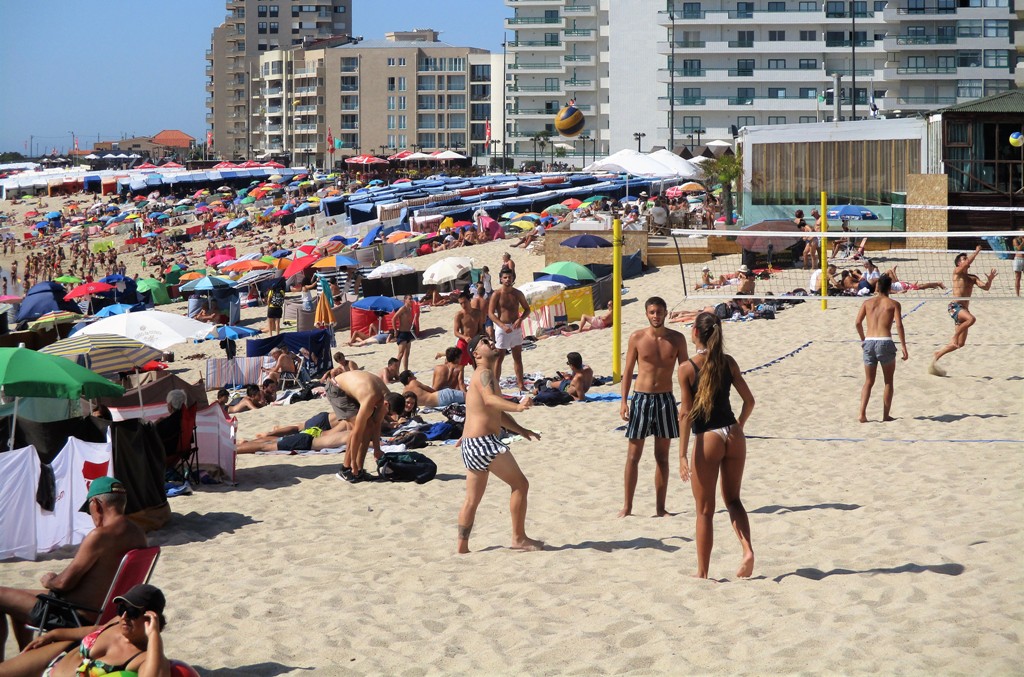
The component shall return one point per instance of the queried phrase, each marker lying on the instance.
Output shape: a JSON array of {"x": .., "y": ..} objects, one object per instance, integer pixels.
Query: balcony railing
[
  {"x": 533, "y": 88},
  {"x": 926, "y": 10},
  {"x": 570, "y": 9},
  {"x": 528, "y": 20},
  {"x": 578, "y": 57},
  {"x": 578, "y": 32},
  {"x": 741, "y": 44},
  {"x": 535, "y": 66},
  {"x": 741, "y": 101},
  {"x": 741, "y": 72},
  {"x": 925, "y": 39},
  {"x": 926, "y": 70},
  {"x": 689, "y": 100},
  {"x": 924, "y": 100},
  {"x": 845, "y": 14},
  {"x": 849, "y": 43},
  {"x": 688, "y": 44},
  {"x": 534, "y": 43},
  {"x": 305, "y": 128},
  {"x": 578, "y": 83}
]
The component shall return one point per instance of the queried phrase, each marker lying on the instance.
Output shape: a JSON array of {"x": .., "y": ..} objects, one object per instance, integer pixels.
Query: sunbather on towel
[{"x": 305, "y": 440}]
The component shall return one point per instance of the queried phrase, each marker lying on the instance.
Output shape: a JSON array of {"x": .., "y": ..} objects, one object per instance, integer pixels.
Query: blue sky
[{"x": 134, "y": 67}]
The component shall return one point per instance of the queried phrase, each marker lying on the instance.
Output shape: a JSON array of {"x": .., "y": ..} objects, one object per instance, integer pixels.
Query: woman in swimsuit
[
  {"x": 130, "y": 642},
  {"x": 718, "y": 440}
]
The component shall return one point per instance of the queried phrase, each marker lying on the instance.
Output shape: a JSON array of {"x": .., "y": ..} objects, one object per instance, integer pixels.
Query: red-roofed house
[{"x": 173, "y": 138}]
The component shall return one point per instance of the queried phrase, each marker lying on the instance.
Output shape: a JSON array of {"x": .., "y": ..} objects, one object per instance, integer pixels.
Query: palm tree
[
  {"x": 542, "y": 138},
  {"x": 724, "y": 169}
]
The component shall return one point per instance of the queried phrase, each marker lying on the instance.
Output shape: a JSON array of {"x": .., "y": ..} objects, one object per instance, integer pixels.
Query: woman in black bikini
[
  {"x": 718, "y": 442},
  {"x": 129, "y": 642}
]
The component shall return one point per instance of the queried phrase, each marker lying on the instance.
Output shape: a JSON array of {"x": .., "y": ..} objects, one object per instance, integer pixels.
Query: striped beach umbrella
[
  {"x": 104, "y": 353},
  {"x": 53, "y": 318}
]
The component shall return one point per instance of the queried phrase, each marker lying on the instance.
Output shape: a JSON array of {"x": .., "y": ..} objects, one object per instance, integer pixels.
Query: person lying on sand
[
  {"x": 427, "y": 396},
  {"x": 305, "y": 440},
  {"x": 601, "y": 320}
]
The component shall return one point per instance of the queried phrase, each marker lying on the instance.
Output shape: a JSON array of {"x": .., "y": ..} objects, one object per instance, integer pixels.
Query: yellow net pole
[
  {"x": 616, "y": 301},
  {"x": 824, "y": 251}
]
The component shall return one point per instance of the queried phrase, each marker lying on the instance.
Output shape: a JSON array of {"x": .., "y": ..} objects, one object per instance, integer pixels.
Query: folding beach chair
[{"x": 136, "y": 567}]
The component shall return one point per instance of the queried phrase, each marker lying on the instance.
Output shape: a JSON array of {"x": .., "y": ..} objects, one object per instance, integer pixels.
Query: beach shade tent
[
  {"x": 569, "y": 269},
  {"x": 585, "y": 241},
  {"x": 560, "y": 279},
  {"x": 683, "y": 168},
  {"x": 447, "y": 269},
  {"x": 632, "y": 266},
  {"x": 317, "y": 342},
  {"x": 851, "y": 213},
  {"x": 104, "y": 353},
  {"x": 152, "y": 327},
  {"x": 370, "y": 321},
  {"x": 365, "y": 160},
  {"x": 390, "y": 271},
  {"x": 378, "y": 304},
  {"x": 547, "y": 306},
  {"x": 43, "y": 298},
  {"x": 156, "y": 289}
]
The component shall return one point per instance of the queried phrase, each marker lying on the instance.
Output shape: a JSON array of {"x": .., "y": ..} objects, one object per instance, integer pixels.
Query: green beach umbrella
[
  {"x": 149, "y": 283},
  {"x": 30, "y": 373},
  {"x": 248, "y": 200},
  {"x": 594, "y": 198},
  {"x": 569, "y": 269},
  {"x": 67, "y": 279}
]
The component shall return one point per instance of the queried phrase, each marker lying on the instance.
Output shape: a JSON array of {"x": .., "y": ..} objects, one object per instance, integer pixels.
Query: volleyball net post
[
  {"x": 823, "y": 250},
  {"x": 616, "y": 300}
]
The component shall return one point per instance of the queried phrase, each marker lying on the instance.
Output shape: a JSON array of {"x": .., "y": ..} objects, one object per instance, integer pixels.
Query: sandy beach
[{"x": 881, "y": 548}]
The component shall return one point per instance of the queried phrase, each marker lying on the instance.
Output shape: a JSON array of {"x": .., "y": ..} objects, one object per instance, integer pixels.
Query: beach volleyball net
[{"x": 717, "y": 265}]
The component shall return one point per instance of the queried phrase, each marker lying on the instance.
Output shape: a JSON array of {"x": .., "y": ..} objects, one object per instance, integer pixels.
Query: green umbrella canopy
[
  {"x": 149, "y": 283},
  {"x": 594, "y": 198},
  {"x": 28, "y": 373},
  {"x": 67, "y": 279},
  {"x": 569, "y": 269}
]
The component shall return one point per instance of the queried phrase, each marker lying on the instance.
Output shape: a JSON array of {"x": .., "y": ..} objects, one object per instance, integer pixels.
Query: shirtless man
[
  {"x": 297, "y": 441},
  {"x": 880, "y": 311},
  {"x": 358, "y": 396},
  {"x": 279, "y": 360},
  {"x": 483, "y": 453},
  {"x": 87, "y": 578},
  {"x": 430, "y": 397},
  {"x": 402, "y": 322},
  {"x": 341, "y": 365},
  {"x": 468, "y": 323},
  {"x": 657, "y": 351},
  {"x": 253, "y": 400},
  {"x": 450, "y": 374},
  {"x": 480, "y": 304},
  {"x": 1018, "y": 262},
  {"x": 504, "y": 311},
  {"x": 964, "y": 283},
  {"x": 389, "y": 374},
  {"x": 578, "y": 381}
]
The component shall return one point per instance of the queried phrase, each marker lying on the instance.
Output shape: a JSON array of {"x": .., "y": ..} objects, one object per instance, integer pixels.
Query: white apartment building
[
  {"x": 674, "y": 73},
  {"x": 251, "y": 28}
]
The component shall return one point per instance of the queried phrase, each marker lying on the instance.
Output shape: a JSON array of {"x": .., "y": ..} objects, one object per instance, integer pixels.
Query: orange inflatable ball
[
  {"x": 569, "y": 121},
  {"x": 182, "y": 669}
]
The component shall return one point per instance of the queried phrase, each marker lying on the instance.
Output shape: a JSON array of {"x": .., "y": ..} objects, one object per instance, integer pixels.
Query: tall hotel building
[{"x": 682, "y": 73}]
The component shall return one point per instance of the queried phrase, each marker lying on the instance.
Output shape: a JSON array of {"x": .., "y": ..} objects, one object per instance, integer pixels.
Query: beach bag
[
  {"x": 412, "y": 439},
  {"x": 552, "y": 397},
  {"x": 445, "y": 430},
  {"x": 406, "y": 466}
]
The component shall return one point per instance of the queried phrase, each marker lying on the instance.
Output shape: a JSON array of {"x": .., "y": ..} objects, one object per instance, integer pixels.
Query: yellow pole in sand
[
  {"x": 616, "y": 301},
  {"x": 824, "y": 251}
]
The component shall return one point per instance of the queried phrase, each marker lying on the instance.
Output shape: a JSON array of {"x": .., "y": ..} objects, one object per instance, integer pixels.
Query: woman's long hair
[{"x": 709, "y": 331}]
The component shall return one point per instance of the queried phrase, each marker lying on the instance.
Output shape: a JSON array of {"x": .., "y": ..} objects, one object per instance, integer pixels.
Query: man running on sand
[
  {"x": 880, "y": 311},
  {"x": 358, "y": 395},
  {"x": 504, "y": 311},
  {"x": 483, "y": 453},
  {"x": 657, "y": 351},
  {"x": 963, "y": 286}
]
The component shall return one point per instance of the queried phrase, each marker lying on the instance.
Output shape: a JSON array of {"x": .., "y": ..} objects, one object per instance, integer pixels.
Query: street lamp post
[
  {"x": 491, "y": 145},
  {"x": 639, "y": 138}
]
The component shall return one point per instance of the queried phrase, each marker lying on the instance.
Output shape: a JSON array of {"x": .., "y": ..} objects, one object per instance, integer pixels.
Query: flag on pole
[
  {"x": 330, "y": 141},
  {"x": 76, "y": 144},
  {"x": 209, "y": 138},
  {"x": 487, "y": 129}
]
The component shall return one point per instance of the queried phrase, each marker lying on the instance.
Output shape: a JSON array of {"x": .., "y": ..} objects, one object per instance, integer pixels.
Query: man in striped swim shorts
[
  {"x": 487, "y": 412},
  {"x": 656, "y": 351}
]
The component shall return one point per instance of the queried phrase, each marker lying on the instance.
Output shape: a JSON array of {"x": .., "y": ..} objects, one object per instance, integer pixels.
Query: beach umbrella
[
  {"x": 53, "y": 215},
  {"x": 390, "y": 269},
  {"x": 447, "y": 269},
  {"x": 281, "y": 253},
  {"x": 188, "y": 277},
  {"x": 560, "y": 279},
  {"x": 118, "y": 309},
  {"x": 207, "y": 283},
  {"x": 555, "y": 210},
  {"x": 594, "y": 198},
  {"x": 398, "y": 236},
  {"x": 767, "y": 245},
  {"x": 379, "y": 304},
  {"x": 324, "y": 316},
  {"x": 11, "y": 298},
  {"x": 246, "y": 266},
  {"x": 509, "y": 215},
  {"x": 300, "y": 264},
  {"x": 232, "y": 332},
  {"x": 569, "y": 269},
  {"x": 335, "y": 261},
  {"x": 67, "y": 279},
  {"x": 257, "y": 276},
  {"x": 153, "y": 327},
  {"x": 104, "y": 353},
  {"x": 852, "y": 213},
  {"x": 572, "y": 203},
  {"x": 586, "y": 241},
  {"x": 53, "y": 318},
  {"x": 539, "y": 290},
  {"x": 523, "y": 225},
  {"x": 88, "y": 288},
  {"x": 692, "y": 186}
]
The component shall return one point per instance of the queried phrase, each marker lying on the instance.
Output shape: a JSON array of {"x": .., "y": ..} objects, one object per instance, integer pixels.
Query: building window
[
  {"x": 776, "y": 92},
  {"x": 261, "y": 27},
  {"x": 426, "y": 102},
  {"x": 391, "y": 103},
  {"x": 339, "y": 9},
  {"x": 808, "y": 36},
  {"x": 969, "y": 58},
  {"x": 969, "y": 28},
  {"x": 805, "y": 119},
  {"x": 808, "y": 92},
  {"x": 776, "y": 64},
  {"x": 946, "y": 61},
  {"x": 968, "y": 89},
  {"x": 456, "y": 102},
  {"x": 426, "y": 83},
  {"x": 808, "y": 7},
  {"x": 456, "y": 121},
  {"x": 391, "y": 84},
  {"x": 261, "y": 10},
  {"x": 402, "y": 84},
  {"x": 274, "y": 27},
  {"x": 457, "y": 82},
  {"x": 391, "y": 61},
  {"x": 915, "y": 62},
  {"x": 402, "y": 103},
  {"x": 745, "y": 38},
  {"x": 997, "y": 86},
  {"x": 744, "y": 67},
  {"x": 776, "y": 7},
  {"x": 776, "y": 119},
  {"x": 997, "y": 29},
  {"x": 691, "y": 10},
  {"x": 880, "y": 5},
  {"x": 744, "y": 10},
  {"x": 426, "y": 120},
  {"x": 746, "y": 121},
  {"x": 808, "y": 64},
  {"x": 274, "y": 11},
  {"x": 997, "y": 58},
  {"x": 392, "y": 123},
  {"x": 691, "y": 123},
  {"x": 744, "y": 95},
  {"x": 776, "y": 36}
]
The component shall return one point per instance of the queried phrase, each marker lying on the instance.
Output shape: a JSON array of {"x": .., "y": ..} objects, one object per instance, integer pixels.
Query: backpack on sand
[{"x": 406, "y": 466}]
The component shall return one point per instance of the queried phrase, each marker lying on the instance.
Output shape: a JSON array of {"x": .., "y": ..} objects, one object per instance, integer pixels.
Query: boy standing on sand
[
  {"x": 483, "y": 453},
  {"x": 880, "y": 312},
  {"x": 963, "y": 286},
  {"x": 658, "y": 350}
]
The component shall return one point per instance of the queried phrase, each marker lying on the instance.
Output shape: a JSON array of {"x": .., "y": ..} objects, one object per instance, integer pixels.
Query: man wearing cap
[
  {"x": 87, "y": 578},
  {"x": 487, "y": 412}
]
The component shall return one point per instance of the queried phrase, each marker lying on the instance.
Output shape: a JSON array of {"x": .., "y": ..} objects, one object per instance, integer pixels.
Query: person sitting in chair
[
  {"x": 87, "y": 578},
  {"x": 278, "y": 362}
]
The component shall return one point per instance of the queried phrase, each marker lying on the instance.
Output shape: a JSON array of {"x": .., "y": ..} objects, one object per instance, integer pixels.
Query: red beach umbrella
[
  {"x": 299, "y": 265},
  {"x": 88, "y": 288}
]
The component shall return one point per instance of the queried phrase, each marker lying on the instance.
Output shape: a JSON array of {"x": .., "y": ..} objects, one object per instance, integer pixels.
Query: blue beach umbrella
[
  {"x": 585, "y": 242},
  {"x": 561, "y": 279},
  {"x": 119, "y": 309},
  {"x": 281, "y": 253},
  {"x": 852, "y": 212},
  {"x": 207, "y": 284},
  {"x": 53, "y": 215},
  {"x": 233, "y": 332},
  {"x": 380, "y": 304}
]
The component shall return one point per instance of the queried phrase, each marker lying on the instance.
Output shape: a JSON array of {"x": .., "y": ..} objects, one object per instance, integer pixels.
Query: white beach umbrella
[
  {"x": 152, "y": 327},
  {"x": 109, "y": 156},
  {"x": 447, "y": 269},
  {"x": 390, "y": 269}
]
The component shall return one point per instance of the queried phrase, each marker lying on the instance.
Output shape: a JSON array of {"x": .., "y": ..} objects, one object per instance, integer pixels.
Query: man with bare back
[
  {"x": 402, "y": 322},
  {"x": 657, "y": 351},
  {"x": 964, "y": 283},
  {"x": 880, "y": 312},
  {"x": 483, "y": 453},
  {"x": 468, "y": 323},
  {"x": 360, "y": 396},
  {"x": 504, "y": 311}
]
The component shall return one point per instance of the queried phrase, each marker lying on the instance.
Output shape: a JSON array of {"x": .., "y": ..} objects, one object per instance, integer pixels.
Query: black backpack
[
  {"x": 406, "y": 466},
  {"x": 552, "y": 397}
]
